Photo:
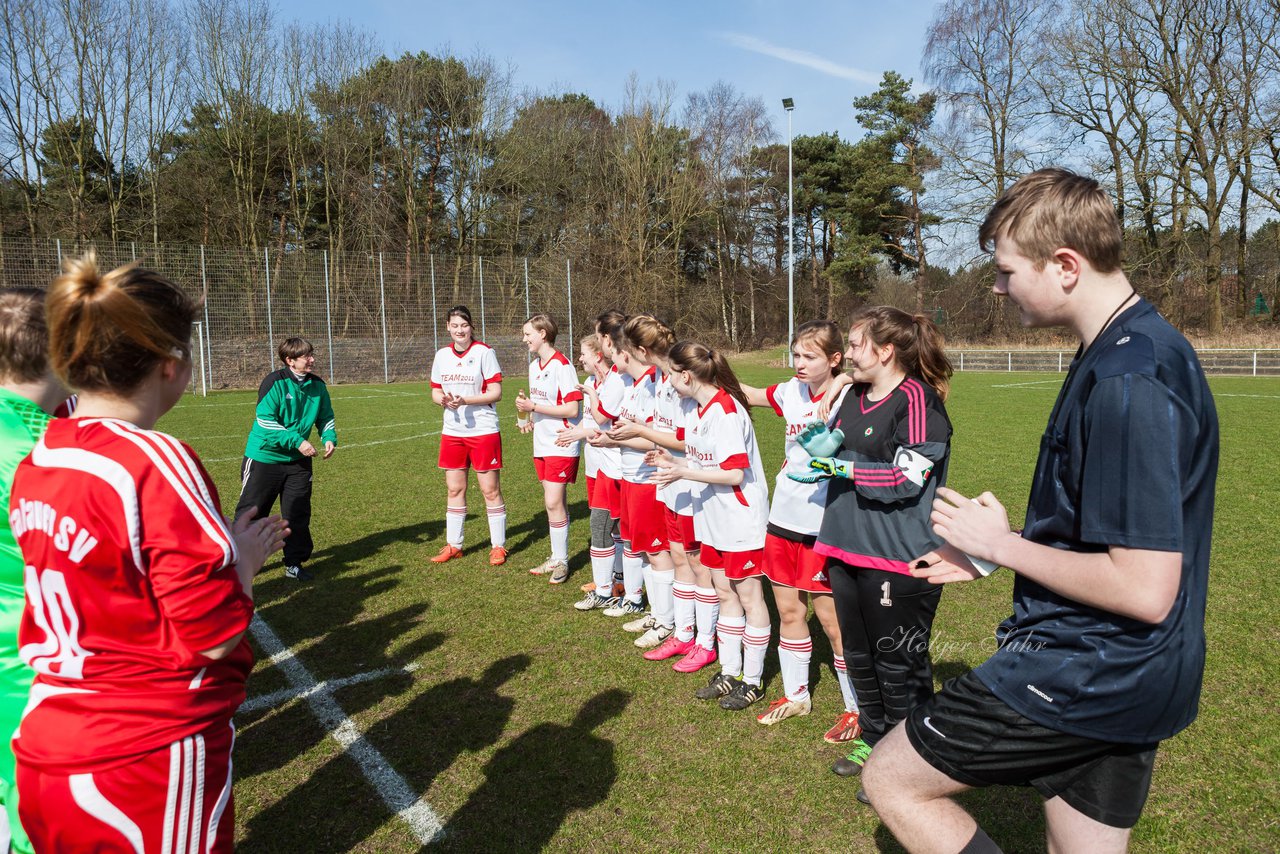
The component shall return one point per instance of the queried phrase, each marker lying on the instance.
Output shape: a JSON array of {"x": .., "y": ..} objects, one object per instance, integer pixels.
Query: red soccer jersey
[{"x": 130, "y": 571}]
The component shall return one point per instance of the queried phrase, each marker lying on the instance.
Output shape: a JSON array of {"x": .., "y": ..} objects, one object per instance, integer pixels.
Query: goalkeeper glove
[
  {"x": 823, "y": 467},
  {"x": 819, "y": 441}
]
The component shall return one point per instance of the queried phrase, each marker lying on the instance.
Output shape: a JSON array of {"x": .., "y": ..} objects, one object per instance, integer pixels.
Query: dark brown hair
[
  {"x": 1053, "y": 208},
  {"x": 107, "y": 331},
  {"x": 608, "y": 317},
  {"x": 24, "y": 336},
  {"x": 459, "y": 311},
  {"x": 826, "y": 336},
  {"x": 918, "y": 345},
  {"x": 708, "y": 366},
  {"x": 294, "y": 348}
]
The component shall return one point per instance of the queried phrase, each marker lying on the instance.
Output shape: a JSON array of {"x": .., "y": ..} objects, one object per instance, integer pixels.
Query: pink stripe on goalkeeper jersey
[
  {"x": 862, "y": 561},
  {"x": 916, "y": 413},
  {"x": 878, "y": 477}
]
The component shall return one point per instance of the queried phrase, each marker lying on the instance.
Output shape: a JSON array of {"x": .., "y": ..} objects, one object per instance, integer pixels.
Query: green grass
[{"x": 528, "y": 724}]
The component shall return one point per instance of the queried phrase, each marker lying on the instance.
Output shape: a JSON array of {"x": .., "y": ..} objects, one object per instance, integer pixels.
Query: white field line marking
[
  {"x": 391, "y": 787},
  {"x": 275, "y": 698},
  {"x": 1255, "y": 396},
  {"x": 347, "y": 447},
  {"x": 1028, "y": 384},
  {"x": 345, "y": 429},
  {"x": 242, "y": 404},
  {"x": 388, "y": 391}
]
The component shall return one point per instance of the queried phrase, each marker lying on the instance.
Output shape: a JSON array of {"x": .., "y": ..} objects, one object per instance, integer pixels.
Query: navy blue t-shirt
[{"x": 1129, "y": 459}]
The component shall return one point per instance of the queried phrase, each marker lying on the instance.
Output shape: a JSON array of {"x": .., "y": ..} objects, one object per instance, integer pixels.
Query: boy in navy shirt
[{"x": 1104, "y": 654}]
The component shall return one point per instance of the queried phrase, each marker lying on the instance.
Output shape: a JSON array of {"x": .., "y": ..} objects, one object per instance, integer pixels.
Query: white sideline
[
  {"x": 345, "y": 430},
  {"x": 391, "y": 787},
  {"x": 348, "y": 447}
]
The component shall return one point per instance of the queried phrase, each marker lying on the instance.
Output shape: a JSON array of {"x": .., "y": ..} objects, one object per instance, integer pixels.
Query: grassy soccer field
[{"x": 524, "y": 724}]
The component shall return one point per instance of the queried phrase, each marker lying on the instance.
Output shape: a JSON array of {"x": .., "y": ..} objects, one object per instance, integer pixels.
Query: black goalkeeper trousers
[
  {"x": 885, "y": 623},
  {"x": 262, "y": 483}
]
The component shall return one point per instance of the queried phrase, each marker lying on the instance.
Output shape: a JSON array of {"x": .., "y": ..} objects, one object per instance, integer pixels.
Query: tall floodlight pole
[{"x": 789, "y": 105}]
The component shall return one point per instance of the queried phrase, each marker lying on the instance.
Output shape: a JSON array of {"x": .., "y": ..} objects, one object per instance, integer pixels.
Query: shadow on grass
[
  {"x": 532, "y": 784},
  {"x": 336, "y": 809},
  {"x": 534, "y": 528},
  {"x": 1013, "y": 816}
]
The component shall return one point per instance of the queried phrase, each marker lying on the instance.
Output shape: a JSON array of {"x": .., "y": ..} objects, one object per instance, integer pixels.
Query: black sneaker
[
  {"x": 298, "y": 572},
  {"x": 719, "y": 686},
  {"x": 742, "y": 695},
  {"x": 862, "y": 798}
]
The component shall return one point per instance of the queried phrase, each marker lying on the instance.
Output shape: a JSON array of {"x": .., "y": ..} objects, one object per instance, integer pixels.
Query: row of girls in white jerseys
[{"x": 676, "y": 483}]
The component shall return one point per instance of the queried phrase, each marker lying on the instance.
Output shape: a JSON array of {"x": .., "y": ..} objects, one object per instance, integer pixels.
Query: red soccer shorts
[
  {"x": 644, "y": 523},
  {"x": 482, "y": 453},
  {"x": 680, "y": 530},
  {"x": 556, "y": 469},
  {"x": 794, "y": 564},
  {"x": 177, "y": 798},
  {"x": 591, "y": 491},
  {"x": 736, "y": 565},
  {"x": 607, "y": 495}
]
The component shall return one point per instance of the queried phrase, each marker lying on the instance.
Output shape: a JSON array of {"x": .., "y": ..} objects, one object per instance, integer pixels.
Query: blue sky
[{"x": 823, "y": 54}]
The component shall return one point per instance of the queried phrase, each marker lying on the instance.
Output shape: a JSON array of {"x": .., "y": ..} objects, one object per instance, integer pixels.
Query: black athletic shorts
[{"x": 969, "y": 734}]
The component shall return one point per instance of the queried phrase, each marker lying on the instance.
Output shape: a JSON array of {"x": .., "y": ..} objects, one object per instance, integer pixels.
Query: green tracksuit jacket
[{"x": 287, "y": 410}]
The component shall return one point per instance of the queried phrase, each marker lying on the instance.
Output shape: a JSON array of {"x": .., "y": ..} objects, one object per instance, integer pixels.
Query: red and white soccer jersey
[
  {"x": 671, "y": 413},
  {"x": 130, "y": 572},
  {"x": 467, "y": 373},
  {"x": 590, "y": 454},
  {"x": 612, "y": 391},
  {"x": 797, "y": 507},
  {"x": 638, "y": 405},
  {"x": 551, "y": 384},
  {"x": 728, "y": 518}
]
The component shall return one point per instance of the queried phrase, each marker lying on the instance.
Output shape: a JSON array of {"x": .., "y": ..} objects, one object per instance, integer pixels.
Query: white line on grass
[
  {"x": 391, "y": 787},
  {"x": 424, "y": 396},
  {"x": 275, "y": 698},
  {"x": 347, "y": 447},
  {"x": 1028, "y": 384},
  {"x": 345, "y": 429},
  {"x": 1256, "y": 396}
]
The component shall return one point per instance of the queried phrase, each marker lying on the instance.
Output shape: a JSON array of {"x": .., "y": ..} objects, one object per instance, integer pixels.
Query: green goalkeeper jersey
[{"x": 21, "y": 424}]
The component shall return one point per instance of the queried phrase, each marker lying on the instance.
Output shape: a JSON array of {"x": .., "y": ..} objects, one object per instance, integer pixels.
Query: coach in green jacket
[{"x": 278, "y": 455}]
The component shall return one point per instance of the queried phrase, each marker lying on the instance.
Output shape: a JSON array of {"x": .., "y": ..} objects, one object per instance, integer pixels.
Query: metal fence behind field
[
  {"x": 1216, "y": 361},
  {"x": 372, "y": 317},
  {"x": 379, "y": 317}
]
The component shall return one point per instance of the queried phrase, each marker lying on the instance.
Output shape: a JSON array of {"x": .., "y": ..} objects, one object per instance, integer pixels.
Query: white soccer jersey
[
  {"x": 671, "y": 413},
  {"x": 552, "y": 383},
  {"x": 612, "y": 390},
  {"x": 638, "y": 405},
  {"x": 797, "y": 507},
  {"x": 590, "y": 454},
  {"x": 467, "y": 373},
  {"x": 728, "y": 518}
]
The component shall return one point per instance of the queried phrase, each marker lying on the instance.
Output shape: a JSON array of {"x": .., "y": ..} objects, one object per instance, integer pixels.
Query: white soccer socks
[
  {"x": 729, "y": 633},
  {"x": 706, "y": 615},
  {"x": 794, "y": 655},
  {"x": 685, "y": 609},
  {"x": 559, "y": 539},
  {"x": 497, "y": 525},
  {"x": 846, "y": 689},
  {"x": 453, "y": 519},
  {"x": 755, "y": 643}
]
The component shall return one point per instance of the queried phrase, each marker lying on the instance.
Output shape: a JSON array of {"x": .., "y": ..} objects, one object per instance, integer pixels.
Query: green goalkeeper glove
[
  {"x": 820, "y": 441},
  {"x": 823, "y": 467}
]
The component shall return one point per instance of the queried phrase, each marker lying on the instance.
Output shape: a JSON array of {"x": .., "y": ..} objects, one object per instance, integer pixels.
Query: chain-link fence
[{"x": 372, "y": 317}]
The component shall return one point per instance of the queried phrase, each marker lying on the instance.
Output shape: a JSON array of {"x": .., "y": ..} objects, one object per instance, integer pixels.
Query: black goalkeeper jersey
[{"x": 880, "y": 519}]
